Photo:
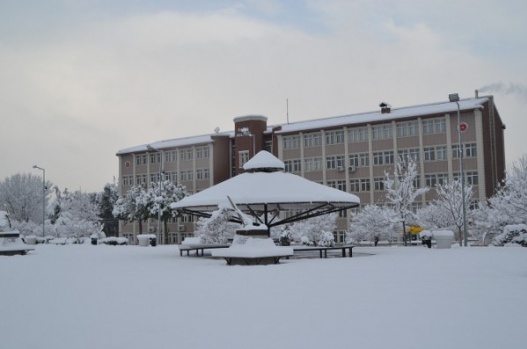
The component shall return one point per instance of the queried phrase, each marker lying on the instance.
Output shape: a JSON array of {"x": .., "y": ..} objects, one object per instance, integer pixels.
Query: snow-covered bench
[
  {"x": 254, "y": 251},
  {"x": 198, "y": 247},
  {"x": 323, "y": 250},
  {"x": 12, "y": 244}
]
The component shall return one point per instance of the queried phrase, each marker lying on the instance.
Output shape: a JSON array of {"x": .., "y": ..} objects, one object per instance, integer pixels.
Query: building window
[
  {"x": 312, "y": 139},
  {"x": 333, "y": 162},
  {"x": 430, "y": 153},
  {"x": 186, "y": 154},
  {"x": 334, "y": 137},
  {"x": 171, "y": 156},
  {"x": 442, "y": 178},
  {"x": 377, "y": 158},
  {"x": 441, "y": 153},
  {"x": 288, "y": 166},
  {"x": 365, "y": 184},
  {"x": 472, "y": 177},
  {"x": 354, "y": 185},
  {"x": 407, "y": 129},
  {"x": 455, "y": 151},
  {"x": 471, "y": 150},
  {"x": 202, "y": 174},
  {"x": 364, "y": 160},
  {"x": 243, "y": 157},
  {"x": 202, "y": 152},
  {"x": 381, "y": 131},
  {"x": 313, "y": 164},
  {"x": 430, "y": 180},
  {"x": 291, "y": 142},
  {"x": 378, "y": 183},
  {"x": 354, "y": 160},
  {"x": 432, "y": 126},
  {"x": 297, "y": 166},
  {"x": 141, "y": 159},
  {"x": 359, "y": 134},
  {"x": 155, "y": 158}
]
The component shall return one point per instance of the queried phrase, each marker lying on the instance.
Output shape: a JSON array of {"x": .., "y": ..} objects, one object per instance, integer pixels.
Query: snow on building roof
[
  {"x": 377, "y": 116},
  {"x": 177, "y": 142},
  {"x": 324, "y": 123}
]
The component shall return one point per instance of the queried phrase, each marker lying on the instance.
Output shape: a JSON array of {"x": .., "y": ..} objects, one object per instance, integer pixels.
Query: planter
[
  {"x": 144, "y": 239},
  {"x": 30, "y": 240}
]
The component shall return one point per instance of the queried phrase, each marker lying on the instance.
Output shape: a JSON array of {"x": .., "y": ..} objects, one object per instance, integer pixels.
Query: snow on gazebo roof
[{"x": 264, "y": 161}]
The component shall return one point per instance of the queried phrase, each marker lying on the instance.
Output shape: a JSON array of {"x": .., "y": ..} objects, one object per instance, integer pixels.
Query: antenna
[{"x": 287, "y": 108}]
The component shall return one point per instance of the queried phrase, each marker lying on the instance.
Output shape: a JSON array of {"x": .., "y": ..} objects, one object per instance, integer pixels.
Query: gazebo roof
[{"x": 266, "y": 188}]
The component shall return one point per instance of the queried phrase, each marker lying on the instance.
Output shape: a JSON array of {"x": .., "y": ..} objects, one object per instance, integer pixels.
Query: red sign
[{"x": 463, "y": 127}]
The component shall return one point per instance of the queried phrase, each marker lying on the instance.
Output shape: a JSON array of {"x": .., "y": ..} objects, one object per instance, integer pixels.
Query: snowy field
[{"x": 130, "y": 297}]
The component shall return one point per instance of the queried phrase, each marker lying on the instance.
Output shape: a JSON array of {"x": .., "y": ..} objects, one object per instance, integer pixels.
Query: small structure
[{"x": 443, "y": 238}]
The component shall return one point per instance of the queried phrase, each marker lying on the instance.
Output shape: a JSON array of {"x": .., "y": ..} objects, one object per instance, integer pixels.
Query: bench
[
  {"x": 198, "y": 248},
  {"x": 11, "y": 244},
  {"x": 323, "y": 250}
]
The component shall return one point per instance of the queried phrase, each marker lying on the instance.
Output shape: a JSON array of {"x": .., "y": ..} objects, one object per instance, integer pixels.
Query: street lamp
[
  {"x": 454, "y": 97},
  {"x": 43, "y": 196},
  {"x": 150, "y": 148}
]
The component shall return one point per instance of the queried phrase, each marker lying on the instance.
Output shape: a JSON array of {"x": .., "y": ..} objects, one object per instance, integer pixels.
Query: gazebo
[{"x": 264, "y": 190}]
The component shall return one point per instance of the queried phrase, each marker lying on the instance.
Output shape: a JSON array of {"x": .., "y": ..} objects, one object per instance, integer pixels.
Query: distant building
[{"x": 350, "y": 152}]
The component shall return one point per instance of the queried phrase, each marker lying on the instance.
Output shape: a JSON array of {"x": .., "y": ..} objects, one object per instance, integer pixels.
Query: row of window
[
  {"x": 172, "y": 155},
  {"x": 360, "y": 134},
  {"x": 386, "y": 157},
  {"x": 200, "y": 174},
  {"x": 431, "y": 180}
]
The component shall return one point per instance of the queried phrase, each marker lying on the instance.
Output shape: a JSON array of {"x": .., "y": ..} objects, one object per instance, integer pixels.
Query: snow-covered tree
[
  {"x": 315, "y": 229},
  {"x": 507, "y": 206},
  {"x": 134, "y": 206},
  {"x": 374, "y": 223},
  {"x": 449, "y": 205},
  {"x": 401, "y": 190},
  {"x": 159, "y": 202},
  {"x": 217, "y": 229},
  {"x": 21, "y": 196},
  {"x": 105, "y": 201}
]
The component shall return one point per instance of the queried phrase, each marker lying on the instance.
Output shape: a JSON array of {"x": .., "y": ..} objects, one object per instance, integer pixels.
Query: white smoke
[{"x": 516, "y": 89}]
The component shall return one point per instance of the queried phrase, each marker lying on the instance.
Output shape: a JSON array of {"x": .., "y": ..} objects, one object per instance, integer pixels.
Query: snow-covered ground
[{"x": 131, "y": 297}]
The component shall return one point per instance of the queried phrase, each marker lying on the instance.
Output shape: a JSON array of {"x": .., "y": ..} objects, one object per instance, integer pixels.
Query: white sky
[{"x": 80, "y": 80}]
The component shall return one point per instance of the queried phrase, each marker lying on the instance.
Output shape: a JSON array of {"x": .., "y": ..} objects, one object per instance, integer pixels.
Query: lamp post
[
  {"x": 43, "y": 197},
  {"x": 150, "y": 148},
  {"x": 454, "y": 97}
]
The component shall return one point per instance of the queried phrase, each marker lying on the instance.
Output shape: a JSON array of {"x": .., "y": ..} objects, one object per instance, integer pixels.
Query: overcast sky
[{"x": 81, "y": 79}]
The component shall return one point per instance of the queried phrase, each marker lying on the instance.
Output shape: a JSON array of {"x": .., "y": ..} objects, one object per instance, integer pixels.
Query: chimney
[
  {"x": 385, "y": 108},
  {"x": 477, "y": 93}
]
